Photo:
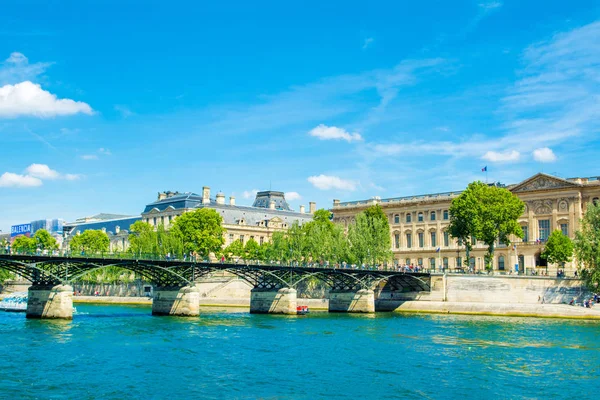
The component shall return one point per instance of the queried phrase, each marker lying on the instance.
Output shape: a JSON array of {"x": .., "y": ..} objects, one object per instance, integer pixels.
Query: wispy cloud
[
  {"x": 16, "y": 68},
  {"x": 506, "y": 156},
  {"x": 249, "y": 194},
  {"x": 9, "y": 179},
  {"x": 89, "y": 157},
  {"x": 96, "y": 156},
  {"x": 326, "y": 182},
  {"x": 367, "y": 43},
  {"x": 124, "y": 111},
  {"x": 325, "y": 132},
  {"x": 291, "y": 196}
]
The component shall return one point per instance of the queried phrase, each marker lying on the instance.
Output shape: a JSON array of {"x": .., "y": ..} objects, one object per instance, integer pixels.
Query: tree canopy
[
  {"x": 487, "y": 213},
  {"x": 90, "y": 241},
  {"x": 44, "y": 240},
  {"x": 587, "y": 247},
  {"x": 558, "y": 248},
  {"x": 199, "y": 231},
  {"x": 369, "y": 237}
]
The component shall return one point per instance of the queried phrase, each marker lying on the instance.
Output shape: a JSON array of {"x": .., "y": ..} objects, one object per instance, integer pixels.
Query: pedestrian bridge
[{"x": 175, "y": 293}]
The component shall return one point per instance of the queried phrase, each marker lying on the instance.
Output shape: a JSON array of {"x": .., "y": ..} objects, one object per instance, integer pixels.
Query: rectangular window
[
  {"x": 473, "y": 241},
  {"x": 445, "y": 262},
  {"x": 407, "y": 261},
  {"x": 421, "y": 239},
  {"x": 420, "y": 262},
  {"x": 408, "y": 240},
  {"x": 446, "y": 215},
  {"x": 396, "y": 219},
  {"x": 432, "y": 216},
  {"x": 242, "y": 239},
  {"x": 420, "y": 217},
  {"x": 525, "y": 233},
  {"x": 433, "y": 239},
  {"x": 154, "y": 221},
  {"x": 231, "y": 238},
  {"x": 446, "y": 239},
  {"x": 408, "y": 217},
  {"x": 262, "y": 240},
  {"x": 458, "y": 262},
  {"x": 564, "y": 228},
  {"x": 432, "y": 263},
  {"x": 397, "y": 240},
  {"x": 544, "y": 226}
]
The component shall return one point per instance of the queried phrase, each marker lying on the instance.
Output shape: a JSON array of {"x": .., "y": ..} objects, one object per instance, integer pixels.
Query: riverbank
[{"x": 415, "y": 307}]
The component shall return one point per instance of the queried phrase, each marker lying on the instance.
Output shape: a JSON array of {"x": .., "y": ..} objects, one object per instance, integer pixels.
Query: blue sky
[{"x": 105, "y": 103}]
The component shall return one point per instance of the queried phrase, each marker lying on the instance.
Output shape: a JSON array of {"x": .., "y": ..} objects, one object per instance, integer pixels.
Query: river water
[{"x": 122, "y": 352}]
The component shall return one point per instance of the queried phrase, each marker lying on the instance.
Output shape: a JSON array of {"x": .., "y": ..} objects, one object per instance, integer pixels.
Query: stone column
[
  {"x": 50, "y": 302},
  {"x": 273, "y": 301},
  {"x": 360, "y": 301},
  {"x": 183, "y": 302}
]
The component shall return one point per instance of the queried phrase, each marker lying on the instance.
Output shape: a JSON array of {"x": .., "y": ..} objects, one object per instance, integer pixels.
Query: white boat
[{"x": 15, "y": 302}]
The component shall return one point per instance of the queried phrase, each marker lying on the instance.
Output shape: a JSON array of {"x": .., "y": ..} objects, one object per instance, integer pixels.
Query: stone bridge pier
[
  {"x": 183, "y": 301},
  {"x": 352, "y": 300},
  {"x": 50, "y": 302},
  {"x": 273, "y": 301}
]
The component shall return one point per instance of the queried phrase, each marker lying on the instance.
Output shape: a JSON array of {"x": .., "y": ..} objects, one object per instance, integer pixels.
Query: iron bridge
[{"x": 52, "y": 270}]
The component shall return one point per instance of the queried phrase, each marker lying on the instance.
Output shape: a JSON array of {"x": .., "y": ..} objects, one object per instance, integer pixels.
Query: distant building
[
  {"x": 116, "y": 226},
  {"x": 418, "y": 224},
  {"x": 270, "y": 213}
]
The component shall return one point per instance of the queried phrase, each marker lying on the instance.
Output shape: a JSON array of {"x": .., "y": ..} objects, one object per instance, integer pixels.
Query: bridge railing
[{"x": 194, "y": 259}]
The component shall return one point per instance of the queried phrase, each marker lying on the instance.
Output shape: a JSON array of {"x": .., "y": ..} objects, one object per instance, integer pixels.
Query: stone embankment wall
[{"x": 514, "y": 289}]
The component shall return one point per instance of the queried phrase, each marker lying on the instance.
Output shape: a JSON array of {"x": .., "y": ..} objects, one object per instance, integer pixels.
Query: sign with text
[{"x": 18, "y": 230}]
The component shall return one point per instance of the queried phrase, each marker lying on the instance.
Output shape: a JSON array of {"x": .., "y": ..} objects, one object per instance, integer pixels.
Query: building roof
[
  {"x": 110, "y": 226},
  {"x": 177, "y": 201},
  {"x": 232, "y": 215},
  {"x": 263, "y": 199}
]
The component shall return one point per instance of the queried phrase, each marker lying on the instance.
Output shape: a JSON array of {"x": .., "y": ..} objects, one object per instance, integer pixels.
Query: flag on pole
[
  {"x": 437, "y": 250},
  {"x": 484, "y": 169}
]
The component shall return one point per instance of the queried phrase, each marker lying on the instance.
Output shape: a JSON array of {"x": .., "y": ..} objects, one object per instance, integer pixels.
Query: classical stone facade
[
  {"x": 419, "y": 224},
  {"x": 270, "y": 213}
]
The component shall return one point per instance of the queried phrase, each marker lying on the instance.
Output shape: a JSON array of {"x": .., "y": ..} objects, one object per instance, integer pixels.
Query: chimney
[
  {"x": 232, "y": 201},
  {"x": 162, "y": 196},
  {"x": 272, "y": 204},
  {"x": 205, "y": 195},
  {"x": 302, "y": 210},
  {"x": 336, "y": 203},
  {"x": 312, "y": 207},
  {"x": 117, "y": 229},
  {"x": 220, "y": 198}
]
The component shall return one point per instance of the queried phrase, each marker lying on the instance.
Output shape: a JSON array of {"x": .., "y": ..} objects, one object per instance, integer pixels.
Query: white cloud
[
  {"x": 8, "y": 179},
  {"x": 89, "y": 157},
  {"x": 29, "y": 99},
  {"x": 367, "y": 43},
  {"x": 249, "y": 194},
  {"x": 325, "y": 132},
  {"x": 104, "y": 151},
  {"x": 544, "y": 154},
  {"x": 325, "y": 182},
  {"x": 42, "y": 171},
  {"x": 495, "y": 156},
  {"x": 490, "y": 5},
  {"x": 291, "y": 196},
  {"x": 101, "y": 152}
]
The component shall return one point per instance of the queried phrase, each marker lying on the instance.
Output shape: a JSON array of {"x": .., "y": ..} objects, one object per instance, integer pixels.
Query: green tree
[
  {"x": 24, "y": 244},
  {"x": 200, "y": 231},
  {"x": 278, "y": 248},
  {"x": 251, "y": 250},
  {"x": 369, "y": 237},
  {"x": 587, "y": 247},
  {"x": 488, "y": 213},
  {"x": 235, "y": 249},
  {"x": 44, "y": 240},
  {"x": 90, "y": 241},
  {"x": 142, "y": 239},
  {"x": 558, "y": 248}
]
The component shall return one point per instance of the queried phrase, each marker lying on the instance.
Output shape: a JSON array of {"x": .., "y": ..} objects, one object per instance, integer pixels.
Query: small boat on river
[
  {"x": 301, "y": 310},
  {"x": 14, "y": 302}
]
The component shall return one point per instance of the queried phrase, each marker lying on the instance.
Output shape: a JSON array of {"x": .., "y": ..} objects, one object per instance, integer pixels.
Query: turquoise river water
[{"x": 122, "y": 352}]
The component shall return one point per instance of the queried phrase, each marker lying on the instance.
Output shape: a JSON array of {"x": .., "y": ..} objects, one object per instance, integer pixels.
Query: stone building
[
  {"x": 116, "y": 226},
  {"x": 419, "y": 224},
  {"x": 270, "y": 213}
]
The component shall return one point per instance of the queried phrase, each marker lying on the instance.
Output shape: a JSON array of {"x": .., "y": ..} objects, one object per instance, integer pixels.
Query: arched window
[
  {"x": 420, "y": 262},
  {"x": 407, "y": 261},
  {"x": 432, "y": 216},
  {"x": 501, "y": 263},
  {"x": 397, "y": 218},
  {"x": 408, "y": 217},
  {"x": 432, "y": 263},
  {"x": 472, "y": 263},
  {"x": 420, "y": 217},
  {"x": 445, "y": 262}
]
